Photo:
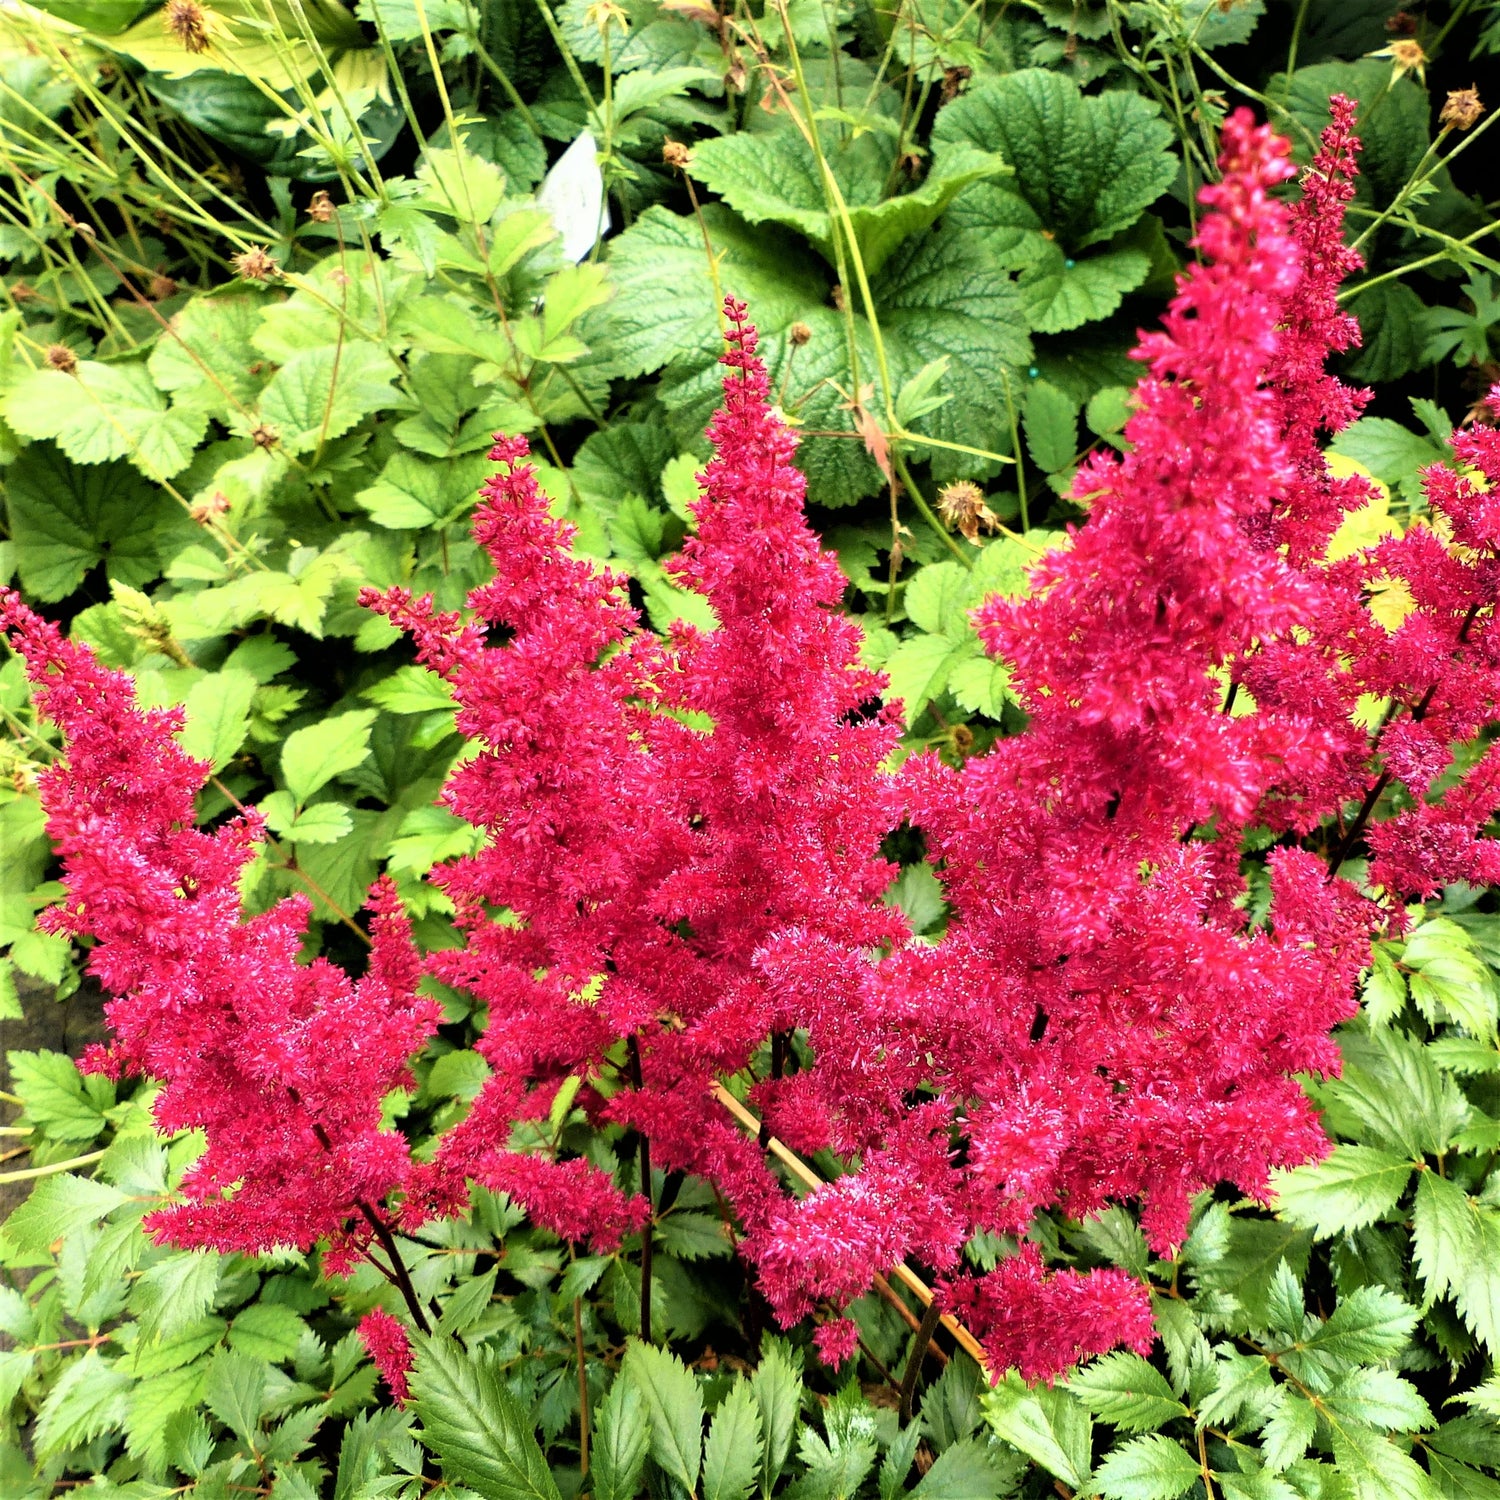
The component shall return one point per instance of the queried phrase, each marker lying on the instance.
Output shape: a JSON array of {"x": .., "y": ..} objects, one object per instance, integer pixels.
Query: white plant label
[{"x": 573, "y": 193}]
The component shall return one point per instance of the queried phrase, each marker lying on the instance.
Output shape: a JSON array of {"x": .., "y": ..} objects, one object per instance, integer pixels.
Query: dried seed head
[
  {"x": 1403, "y": 23},
  {"x": 606, "y": 13},
  {"x": 60, "y": 357},
  {"x": 161, "y": 287},
  {"x": 1406, "y": 56},
  {"x": 320, "y": 207},
  {"x": 1461, "y": 109},
  {"x": 189, "y": 22},
  {"x": 954, "y": 80},
  {"x": 203, "y": 511},
  {"x": 961, "y": 505},
  {"x": 799, "y": 334},
  {"x": 22, "y": 291},
  {"x": 675, "y": 154},
  {"x": 264, "y": 435},
  {"x": 255, "y": 264}
]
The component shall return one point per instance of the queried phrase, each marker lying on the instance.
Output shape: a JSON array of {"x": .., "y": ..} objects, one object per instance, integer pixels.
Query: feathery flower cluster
[
  {"x": 681, "y": 878},
  {"x": 385, "y": 1339},
  {"x": 684, "y": 837},
  {"x": 282, "y": 1065}
]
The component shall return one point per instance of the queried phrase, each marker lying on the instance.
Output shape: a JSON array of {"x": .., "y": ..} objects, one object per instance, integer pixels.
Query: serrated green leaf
[
  {"x": 1369, "y": 1325},
  {"x": 218, "y": 716},
  {"x": 1147, "y": 1468},
  {"x": 1450, "y": 981},
  {"x": 152, "y": 1405},
  {"x": 940, "y": 294},
  {"x": 1186, "y": 1348},
  {"x": 1443, "y": 1233},
  {"x": 777, "y": 1388},
  {"x": 938, "y": 598},
  {"x": 482, "y": 1436},
  {"x": 1392, "y": 453},
  {"x": 1085, "y": 167},
  {"x": 1255, "y": 1250},
  {"x": 981, "y": 686},
  {"x": 622, "y": 1438},
  {"x": 1394, "y": 1089},
  {"x": 674, "y": 1405},
  {"x": 1380, "y": 1399},
  {"x": 204, "y": 358},
  {"x": 1125, "y": 1391},
  {"x": 732, "y": 1454},
  {"x": 693, "y": 1236},
  {"x": 105, "y": 412},
  {"x": 1478, "y": 1292},
  {"x": 414, "y": 493},
  {"x": 1048, "y": 1426},
  {"x": 1392, "y": 334},
  {"x": 235, "y": 1392},
  {"x": 779, "y": 180},
  {"x": 58, "y": 1206},
  {"x": 969, "y": 1470},
  {"x": 267, "y": 1330},
  {"x": 1059, "y": 293},
  {"x": 90, "y": 1397},
  {"x": 918, "y": 670},
  {"x": 67, "y": 518},
  {"x": 411, "y": 690},
  {"x": 313, "y": 756},
  {"x": 324, "y": 823},
  {"x": 1373, "y": 1467},
  {"x": 320, "y": 393},
  {"x": 1051, "y": 423},
  {"x": 57, "y": 1097},
  {"x": 952, "y": 1408},
  {"x": 174, "y": 1293},
  {"x": 1285, "y": 1438},
  {"x": 1351, "y": 1187}
]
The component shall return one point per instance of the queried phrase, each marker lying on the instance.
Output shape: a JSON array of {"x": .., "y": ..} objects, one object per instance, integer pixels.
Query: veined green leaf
[
  {"x": 732, "y": 1454},
  {"x": 674, "y": 1405},
  {"x": 481, "y": 1434},
  {"x": 1352, "y": 1187}
]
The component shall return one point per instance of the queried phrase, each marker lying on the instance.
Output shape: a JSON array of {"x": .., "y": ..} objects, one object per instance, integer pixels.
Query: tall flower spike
[
  {"x": 674, "y": 826},
  {"x": 282, "y": 1065},
  {"x": 1110, "y": 1028}
]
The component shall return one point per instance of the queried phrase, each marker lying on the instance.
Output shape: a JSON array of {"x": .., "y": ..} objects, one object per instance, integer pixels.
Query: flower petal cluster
[
  {"x": 388, "y": 1345},
  {"x": 282, "y": 1065},
  {"x": 673, "y": 823}
]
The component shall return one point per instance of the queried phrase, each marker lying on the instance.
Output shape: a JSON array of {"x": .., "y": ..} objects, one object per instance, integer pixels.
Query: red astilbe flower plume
[
  {"x": 1116, "y": 1031},
  {"x": 667, "y": 819},
  {"x": 386, "y": 1340},
  {"x": 283, "y": 1065},
  {"x": 1434, "y": 662}
]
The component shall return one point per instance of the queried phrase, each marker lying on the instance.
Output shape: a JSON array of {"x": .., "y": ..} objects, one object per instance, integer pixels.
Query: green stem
[
  {"x": 57, "y": 1166},
  {"x": 1291, "y": 51},
  {"x": 1350, "y": 293},
  {"x": 926, "y": 511}
]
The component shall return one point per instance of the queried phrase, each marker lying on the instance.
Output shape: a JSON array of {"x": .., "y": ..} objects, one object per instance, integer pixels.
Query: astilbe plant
[
  {"x": 681, "y": 874},
  {"x": 282, "y": 1065}
]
